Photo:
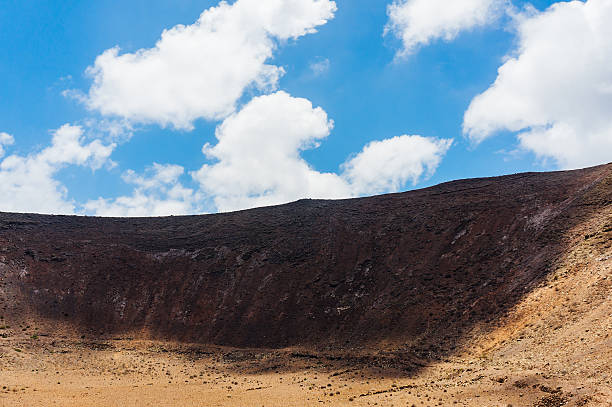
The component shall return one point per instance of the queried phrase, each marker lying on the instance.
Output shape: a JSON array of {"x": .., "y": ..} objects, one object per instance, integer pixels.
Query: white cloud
[
  {"x": 27, "y": 184},
  {"x": 201, "y": 70},
  {"x": 320, "y": 67},
  {"x": 555, "y": 92},
  {"x": 388, "y": 165},
  {"x": 419, "y": 22},
  {"x": 258, "y": 158},
  {"x": 258, "y": 155},
  {"x": 157, "y": 193},
  {"x": 5, "y": 140},
  {"x": 113, "y": 130}
]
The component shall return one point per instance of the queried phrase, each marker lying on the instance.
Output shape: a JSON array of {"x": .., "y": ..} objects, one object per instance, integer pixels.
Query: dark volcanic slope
[{"x": 418, "y": 267}]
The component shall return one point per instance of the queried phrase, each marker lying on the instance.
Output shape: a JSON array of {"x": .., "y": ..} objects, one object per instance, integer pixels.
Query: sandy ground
[{"x": 46, "y": 371}]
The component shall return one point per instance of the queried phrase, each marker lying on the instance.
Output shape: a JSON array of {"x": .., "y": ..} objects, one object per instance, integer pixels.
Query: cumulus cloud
[
  {"x": 555, "y": 92},
  {"x": 5, "y": 140},
  {"x": 258, "y": 158},
  {"x": 158, "y": 192},
  {"x": 388, "y": 165},
  {"x": 27, "y": 183},
  {"x": 419, "y": 22},
  {"x": 258, "y": 155},
  {"x": 201, "y": 70}
]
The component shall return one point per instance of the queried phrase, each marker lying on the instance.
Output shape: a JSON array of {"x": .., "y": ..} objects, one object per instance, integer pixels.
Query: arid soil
[{"x": 487, "y": 292}]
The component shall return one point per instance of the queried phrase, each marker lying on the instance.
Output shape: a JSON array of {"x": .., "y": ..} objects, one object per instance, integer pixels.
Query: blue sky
[{"x": 374, "y": 87}]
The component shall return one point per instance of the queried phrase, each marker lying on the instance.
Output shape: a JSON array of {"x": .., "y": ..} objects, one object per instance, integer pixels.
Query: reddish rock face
[{"x": 418, "y": 268}]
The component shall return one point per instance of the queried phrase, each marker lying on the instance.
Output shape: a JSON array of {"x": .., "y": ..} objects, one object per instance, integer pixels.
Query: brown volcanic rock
[{"x": 420, "y": 268}]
